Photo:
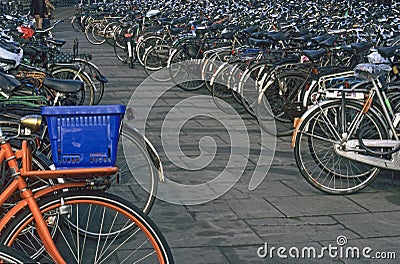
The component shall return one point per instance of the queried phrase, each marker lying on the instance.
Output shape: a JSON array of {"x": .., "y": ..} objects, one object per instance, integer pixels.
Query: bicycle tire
[
  {"x": 219, "y": 82},
  {"x": 155, "y": 60},
  {"x": 212, "y": 64},
  {"x": 77, "y": 24},
  {"x": 249, "y": 86},
  {"x": 145, "y": 44},
  {"x": 109, "y": 31},
  {"x": 96, "y": 76},
  {"x": 185, "y": 71},
  {"x": 91, "y": 211},
  {"x": 324, "y": 169},
  {"x": 139, "y": 167},
  {"x": 275, "y": 103},
  {"x": 94, "y": 33}
]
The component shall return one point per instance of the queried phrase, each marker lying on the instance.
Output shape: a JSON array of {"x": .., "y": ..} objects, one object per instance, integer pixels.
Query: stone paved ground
[{"x": 284, "y": 211}]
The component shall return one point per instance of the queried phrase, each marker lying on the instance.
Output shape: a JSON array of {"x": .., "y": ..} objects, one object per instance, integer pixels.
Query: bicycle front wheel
[
  {"x": 93, "y": 227},
  {"x": 319, "y": 134}
]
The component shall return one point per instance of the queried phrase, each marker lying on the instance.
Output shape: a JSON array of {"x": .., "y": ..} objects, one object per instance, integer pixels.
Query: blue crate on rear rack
[{"x": 84, "y": 136}]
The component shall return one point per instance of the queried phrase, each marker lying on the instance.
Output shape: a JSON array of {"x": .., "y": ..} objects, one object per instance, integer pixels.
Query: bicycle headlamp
[{"x": 31, "y": 121}]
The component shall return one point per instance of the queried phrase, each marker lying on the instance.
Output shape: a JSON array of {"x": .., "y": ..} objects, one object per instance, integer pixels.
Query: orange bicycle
[{"x": 72, "y": 221}]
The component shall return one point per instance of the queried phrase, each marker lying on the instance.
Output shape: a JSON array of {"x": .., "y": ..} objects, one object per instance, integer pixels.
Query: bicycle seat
[
  {"x": 259, "y": 42},
  {"x": 165, "y": 21},
  {"x": 228, "y": 35},
  {"x": 8, "y": 84},
  {"x": 176, "y": 31},
  {"x": 320, "y": 39},
  {"x": 64, "y": 86},
  {"x": 250, "y": 30},
  {"x": 303, "y": 38},
  {"x": 43, "y": 49},
  {"x": 329, "y": 41},
  {"x": 259, "y": 35},
  {"x": 362, "y": 47},
  {"x": 314, "y": 55},
  {"x": 277, "y": 36},
  {"x": 28, "y": 51},
  {"x": 57, "y": 42},
  {"x": 388, "y": 52},
  {"x": 153, "y": 13}
]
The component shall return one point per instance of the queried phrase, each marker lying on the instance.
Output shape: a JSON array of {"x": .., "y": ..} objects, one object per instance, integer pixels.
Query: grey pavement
[{"x": 283, "y": 211}]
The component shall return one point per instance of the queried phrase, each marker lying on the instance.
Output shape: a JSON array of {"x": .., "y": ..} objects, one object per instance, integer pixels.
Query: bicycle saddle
[
  {"x": 277, "y": 36},
  {"x": 42, "y": 49},
  {"x": 165, "y": 21},
  {"x": 63, "y": 86},
  {"x": 250, "y": 30},
  {"x": 57, "y": 42},
  {"x": 329, "y": 41},
  {"x": 314, "y": 55},
  {"x": 259, "y": 42},
  {"x": 362, "y": 47},
  {"x": 388, "y": 52},
  {"x": 320, "y": 39},
  {"x": 29, "y": 51},
  {"x": 176, "y": 31},
  {"x": 8, "y": 83}
]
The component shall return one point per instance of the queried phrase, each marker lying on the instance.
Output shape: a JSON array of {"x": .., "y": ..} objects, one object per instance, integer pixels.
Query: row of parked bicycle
[{"x": 282, "y": 61}]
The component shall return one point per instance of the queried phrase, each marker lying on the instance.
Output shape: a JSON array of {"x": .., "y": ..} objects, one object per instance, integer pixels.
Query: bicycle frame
[
  {"x": 350, "y": 148},
  {"x": 29, "y": 198}
]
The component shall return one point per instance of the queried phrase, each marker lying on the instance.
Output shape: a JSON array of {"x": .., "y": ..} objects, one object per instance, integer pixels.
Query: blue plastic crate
[{"x": 84, "y": 136}]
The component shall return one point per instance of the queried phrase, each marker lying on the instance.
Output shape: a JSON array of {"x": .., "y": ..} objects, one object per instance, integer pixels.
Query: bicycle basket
[{"x": 84, "y": 136}]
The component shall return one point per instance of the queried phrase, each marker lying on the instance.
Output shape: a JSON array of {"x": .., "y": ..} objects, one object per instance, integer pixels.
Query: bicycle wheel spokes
[
  {"x": 93, "y": 227},
  {"x": 315, "y": 149}
]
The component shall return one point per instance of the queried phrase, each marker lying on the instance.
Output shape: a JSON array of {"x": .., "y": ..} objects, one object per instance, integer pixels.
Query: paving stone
[
  {"x": 209, "y": 233},
  {"x": 199, "y": 255},
  {"x": 314, "y": 205},
  {"x": 253, "y": 208},
  {"x": 372, "y": 224},
  {"x": 377, "y": 201},
  {"x": 299, "y": 229}
]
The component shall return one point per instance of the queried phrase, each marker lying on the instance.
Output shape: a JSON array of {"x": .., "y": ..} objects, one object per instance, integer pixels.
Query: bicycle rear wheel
[
  {"x": 93, "y": 227},
  {"x": 278, "y": 103},
  {"x": 317, "y": 137}
]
